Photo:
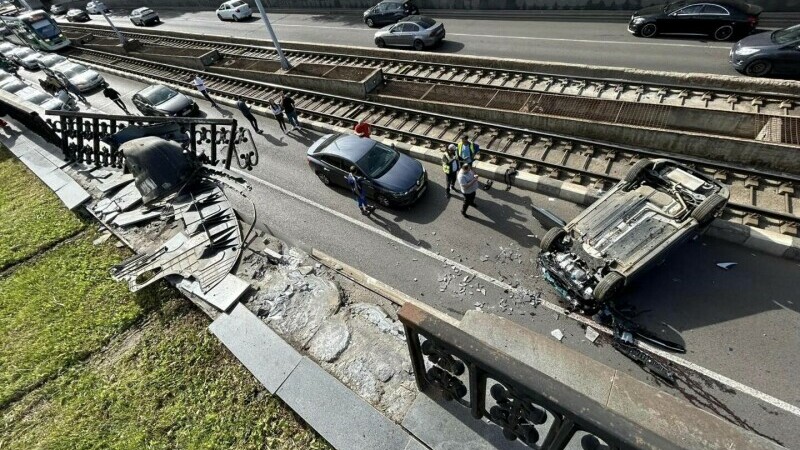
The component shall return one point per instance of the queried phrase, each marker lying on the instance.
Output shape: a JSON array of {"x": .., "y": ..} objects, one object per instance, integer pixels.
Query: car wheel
[
  {"x": 235, "y": 18},
  {"x": 637, "y": 170},
  {"x": 552, "y": 239},
  {"x": 324, "y": 178},
  {"x": 608, "y": 286},
  {"x": 758, "y": 68},
  {"x": 383, "y": 200},
  {"x": 380, "y": 43},
  {"x": 708, "y": 209},
  {"x": 648, "y": 30},
  {"x": 419, "y": 45},
  {"x": 370, "y": 23},
  {"x": 723, "y": 33},
  {"x": 219, "y": 17}
]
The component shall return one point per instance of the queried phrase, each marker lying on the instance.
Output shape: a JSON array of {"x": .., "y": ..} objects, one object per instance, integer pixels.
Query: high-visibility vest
[
  {"x": 471, "y": 149},
  {"x": 448, "y": 164}
]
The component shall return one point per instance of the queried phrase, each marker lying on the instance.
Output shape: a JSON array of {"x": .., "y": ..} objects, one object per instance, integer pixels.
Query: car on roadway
[
  {"x": 657, "y": 205},
  {"x": 4, "y": 31},
  {"x": 25, "y": 57},
  {"x": 59, "y": 9},
  {"x": 12, "y": 85},
  {"x": 235, "y": 10},
  {"x": 720, "y": 19},
  {"x": 143, "y": 17},
  {"x": 391, "y": 178},
  {"x": 8, "y": 47},
  {"x": 83, "y": 78},
  {"x": 97, "y": 7},
  {"x": 770, "y": 53},
  {"x": 50, "y": 60},
  {"x": 40, "y": 99},
  {"x": 417, "y": 32},
  {"x": 160, "y": 100},
  {"x": 389, "y": 11},
  {"x": 77, "y": 15}
]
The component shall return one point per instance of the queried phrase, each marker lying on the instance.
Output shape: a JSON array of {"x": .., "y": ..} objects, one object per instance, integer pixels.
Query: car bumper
[
  {"x": 90, "y": 85},
  {"x": 738, "y": 63},
  {"x": 634, "y": 28},
  {"x": 411, "y": 198},
  {"x": 150, "y": 20}
]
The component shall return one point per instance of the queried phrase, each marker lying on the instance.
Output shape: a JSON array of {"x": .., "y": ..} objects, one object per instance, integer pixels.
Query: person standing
[
  {"x": 277, "y": 111},
  {"x": 468, "y": 181},
  {"x": 450, "y": 167},
  {"x": 356, "y": 183},
  {"x": 72, "y": 89},
  {"x": 467, "y": 150},
  {"x": 363, "y": 129},
  {"x": 112, "y": 94},
  {"x": 240, "y": 103},
  {"x": 201, "y": 86},
  {"x": 291, "y": 113}
]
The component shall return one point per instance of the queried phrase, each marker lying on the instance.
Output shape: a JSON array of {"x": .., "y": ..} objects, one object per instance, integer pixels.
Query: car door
[
  {"x": 393, "y": 37},
  {"x": 410, "y": 33},
  {"x": 334, "y": 168},
  {"x": 712, "y": 17},
  {"x": 141, "y": 105},
  {"x": 394, "y": 12},
  {"x": 224, "y": 12},
  {"x": 684, "y": 20},
  {"x": 378, "y": 14}
]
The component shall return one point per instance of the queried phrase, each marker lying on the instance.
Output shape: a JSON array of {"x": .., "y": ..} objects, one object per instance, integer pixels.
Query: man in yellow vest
[
  {"x": 450, "y": 167},
  {"x": 467, "y": 150}
]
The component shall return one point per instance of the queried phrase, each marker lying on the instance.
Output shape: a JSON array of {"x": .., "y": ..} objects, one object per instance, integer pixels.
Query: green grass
[{"x": 32, "y": 218}]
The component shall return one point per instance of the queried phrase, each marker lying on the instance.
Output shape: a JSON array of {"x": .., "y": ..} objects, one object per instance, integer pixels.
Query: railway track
[
  {"x": 759, "y": 199},
  {"x": 512, "y": 80}
]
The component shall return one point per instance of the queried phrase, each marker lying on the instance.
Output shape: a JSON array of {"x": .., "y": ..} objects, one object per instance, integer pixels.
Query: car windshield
[
  {"x": 235, "y": 5},
  {"x": 786, "y": 35},
  {"x": 157, "y": 95},
  {"x": 45, "y": 28},
  {"x": 14, "y": 86},
  {"x": 672, "y": 7},
  {"x": 52, "y": 60},
  {"x": 74, "y": 70},
  {"x": 377, "y": 161}
]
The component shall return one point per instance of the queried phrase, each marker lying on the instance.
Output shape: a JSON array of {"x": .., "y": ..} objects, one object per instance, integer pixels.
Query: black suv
[{"x": 389, "y": 11}]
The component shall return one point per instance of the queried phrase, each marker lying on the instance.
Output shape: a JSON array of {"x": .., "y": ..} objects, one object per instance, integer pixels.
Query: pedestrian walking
[
  {"x": 201, "y": 86},
  {"x": 356, "y": 184},
  {"x": 240, "y": 103},
  {"x": 363, "y": 129},
  {"x": 72, "y": 89},
  {"x": 287, "y": 102},
  {"x": 468, "y": 181},
  {"x": 112, "y": 94},
  {"x": 450, "y": 167},
  {"x": 277, "y": 111},
  {"x": 467, "y": 150}
]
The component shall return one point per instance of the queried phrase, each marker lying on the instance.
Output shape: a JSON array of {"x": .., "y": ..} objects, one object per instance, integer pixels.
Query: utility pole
[
  {"x": 122, "y": 40},
  {"x": 284, "y": 62}
]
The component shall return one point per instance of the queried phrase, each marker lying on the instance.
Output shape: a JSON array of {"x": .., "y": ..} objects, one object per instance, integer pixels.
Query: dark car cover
[{"x": 159, "y": 167}]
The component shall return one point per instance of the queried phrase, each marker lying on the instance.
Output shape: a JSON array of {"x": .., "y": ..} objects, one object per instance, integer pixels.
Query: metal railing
[{"x": 524, "y": 403}]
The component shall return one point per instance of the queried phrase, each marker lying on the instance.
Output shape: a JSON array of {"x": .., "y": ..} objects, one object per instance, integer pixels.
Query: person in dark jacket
[
  {"x": 240, "y": 103},
  {"x": 277, "y": 111},
  {"x": 112, "y": 94},
  {"x": 450, "y": 166},
  {"x": 356, "y": 184},
  {"x": 291, "y": 113}
]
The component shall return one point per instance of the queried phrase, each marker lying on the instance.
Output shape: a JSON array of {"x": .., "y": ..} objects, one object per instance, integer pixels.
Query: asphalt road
[
  {"x": 741, "y": 323},
  {"x": 593, "y": 43}
]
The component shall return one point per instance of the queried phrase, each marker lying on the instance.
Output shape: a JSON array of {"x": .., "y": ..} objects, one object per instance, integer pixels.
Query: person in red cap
[{"x": 362, "y": 129}]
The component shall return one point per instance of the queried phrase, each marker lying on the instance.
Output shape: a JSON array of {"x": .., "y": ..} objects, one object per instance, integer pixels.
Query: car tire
[
  {"x": 220, "y": 17},
  {"x": 419, "y": 45},
  {"x": 235, "y": 18},
  {"x": 637, "y": 169},
  {"x": 370, "y": 23},
  {"x": 552, "y": 239},
  {"x": 380, "y": 42},
  {"x": 758, "y": 68},
  {"x": 383, "y": 200},
  {"x": 324, "y": 178},
  {"x": 723, "y": 33},
  {"x": 648, "y": 30},
  {"x": 708, "y": 209},
  {"x": 608, "y": 286}
]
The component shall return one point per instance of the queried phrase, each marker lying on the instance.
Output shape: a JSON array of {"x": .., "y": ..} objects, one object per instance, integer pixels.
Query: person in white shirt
[
  {"x": 468, "y": 181},
  {"x": 201, "y": 86}
]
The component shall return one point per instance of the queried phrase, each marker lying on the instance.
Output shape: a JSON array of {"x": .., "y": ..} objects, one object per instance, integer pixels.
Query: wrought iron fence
[
  {"x": 95, "y": 138},
  {"x": 524, "y": 403}
]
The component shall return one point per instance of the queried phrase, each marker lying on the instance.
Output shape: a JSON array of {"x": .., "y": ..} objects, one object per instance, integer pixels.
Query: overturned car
[{"x": 655, "y": 207}]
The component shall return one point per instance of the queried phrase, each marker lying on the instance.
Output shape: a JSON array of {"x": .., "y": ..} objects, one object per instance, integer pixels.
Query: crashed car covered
[{"x": 659, "y": 204}]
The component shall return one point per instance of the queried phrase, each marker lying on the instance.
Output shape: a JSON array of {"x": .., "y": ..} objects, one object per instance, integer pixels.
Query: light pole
[
  {"x": 284, "y": 62},
  {"x": 122, "y": 40}
]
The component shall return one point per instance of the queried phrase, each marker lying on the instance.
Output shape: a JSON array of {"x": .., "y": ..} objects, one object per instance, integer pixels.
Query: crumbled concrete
[{"x": 330, "y": 341}]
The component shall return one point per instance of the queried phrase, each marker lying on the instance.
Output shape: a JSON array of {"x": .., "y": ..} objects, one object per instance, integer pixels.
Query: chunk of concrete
[
  {"x": 330, "y": 340},
  {"x": 223, "y": 295}
]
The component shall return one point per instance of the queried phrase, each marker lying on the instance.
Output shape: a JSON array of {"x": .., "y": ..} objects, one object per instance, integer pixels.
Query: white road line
[{"x": 766, "y": 398}]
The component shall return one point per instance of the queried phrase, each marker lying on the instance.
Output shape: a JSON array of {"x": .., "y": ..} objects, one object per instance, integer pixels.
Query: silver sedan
[{"x": 414, "y": 31}]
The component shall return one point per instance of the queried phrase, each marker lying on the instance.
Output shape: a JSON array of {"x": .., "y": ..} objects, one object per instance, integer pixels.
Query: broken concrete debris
[
  {"x": 558, "y": 334},
  {"x": 591, "y": 334}
]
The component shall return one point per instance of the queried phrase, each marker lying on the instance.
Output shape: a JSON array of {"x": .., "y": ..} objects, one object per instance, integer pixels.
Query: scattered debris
[
  {"x": 557, "y": 334},
  {"x": 591, "y": 334},
  {"x": 726, "y": 265},
  {"x": 102, "y": 239}
]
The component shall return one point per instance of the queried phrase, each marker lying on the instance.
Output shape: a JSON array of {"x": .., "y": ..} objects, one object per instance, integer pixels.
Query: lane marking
[{"x": 733, "y": 384}]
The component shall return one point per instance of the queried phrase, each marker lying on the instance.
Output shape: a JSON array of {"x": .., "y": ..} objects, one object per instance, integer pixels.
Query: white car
[
  {"x": 50, "y": 60},
  {"x": 84, "y": 79},
  {"x": 96, "y": 7},
  {"x": 8, "y": 47},
  {"x": 40, "y": 99},
  {"x": 25, "y": 57},
  {"x": 143, "y": 16},
  {"x": 12, "y": 85},
  {"x": 235, "y": 10}
]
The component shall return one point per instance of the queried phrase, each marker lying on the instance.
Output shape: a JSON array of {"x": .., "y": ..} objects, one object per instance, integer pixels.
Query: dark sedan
[
  {"x": 720, "y": 19},
  {"x": 391, "y": 178},
  {"x": 389, "y": 11},
  {"x": 78, "y": 15},
  {"x": 762, "y": 54},
  {"x": 160, "y": 100}
]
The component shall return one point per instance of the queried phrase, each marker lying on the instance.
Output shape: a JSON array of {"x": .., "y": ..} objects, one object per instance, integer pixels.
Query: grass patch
[
  {"x": 176, "y": 387},
  {"x": 32, "y": 217},
  {"x": 59, "y": 308}
]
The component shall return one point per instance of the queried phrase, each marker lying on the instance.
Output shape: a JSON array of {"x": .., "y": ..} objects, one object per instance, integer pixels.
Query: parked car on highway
[
  {"x": 389, "y": 11},
  {"x": 50, "y": 60},
  {"x": 235, "y": 10},
  {"x": 77, "y": 15},
  {"x": 96, "y": 7},
  {"x": 720, "y": 19},
  {"x": 160, "y": 100},
  {"x": 6, "y": 47},
  {"x": 762, "y": 54},
  {"x": 41, "y": 99},
  {"x": 144, "y": 16},
  {"x": 59, "y": 9},
  {"x": 25, "y": 57},
  {"x": 391, "y": 178},
  {"x": 418, "y": 32},
  {"x": 658, "y": 205},
  {"x": 83, "y": 78},
  {"x": 12, "y": 85},
  {"x": 4, "y": 31}
]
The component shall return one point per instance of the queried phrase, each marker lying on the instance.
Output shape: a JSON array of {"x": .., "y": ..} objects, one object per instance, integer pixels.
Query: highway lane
[
  {"x": 606, "y": 44},
  {"x": 740, "y": 323}
]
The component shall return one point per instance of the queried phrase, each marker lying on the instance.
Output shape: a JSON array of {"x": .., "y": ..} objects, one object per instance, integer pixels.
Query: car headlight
[
  {"x": 745, "y": 51},
  {"x": 638, "y": 20}
]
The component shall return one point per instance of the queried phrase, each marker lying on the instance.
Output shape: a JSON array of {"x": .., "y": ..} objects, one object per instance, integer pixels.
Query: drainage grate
[
  {"x": 626, "y": 113},
  {"x": 785, "y": 130}
]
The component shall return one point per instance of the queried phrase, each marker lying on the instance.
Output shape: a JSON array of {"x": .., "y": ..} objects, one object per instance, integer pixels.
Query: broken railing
[
  {"x": 524, "y": 403},
  {"x": 94, "y": 138}
]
